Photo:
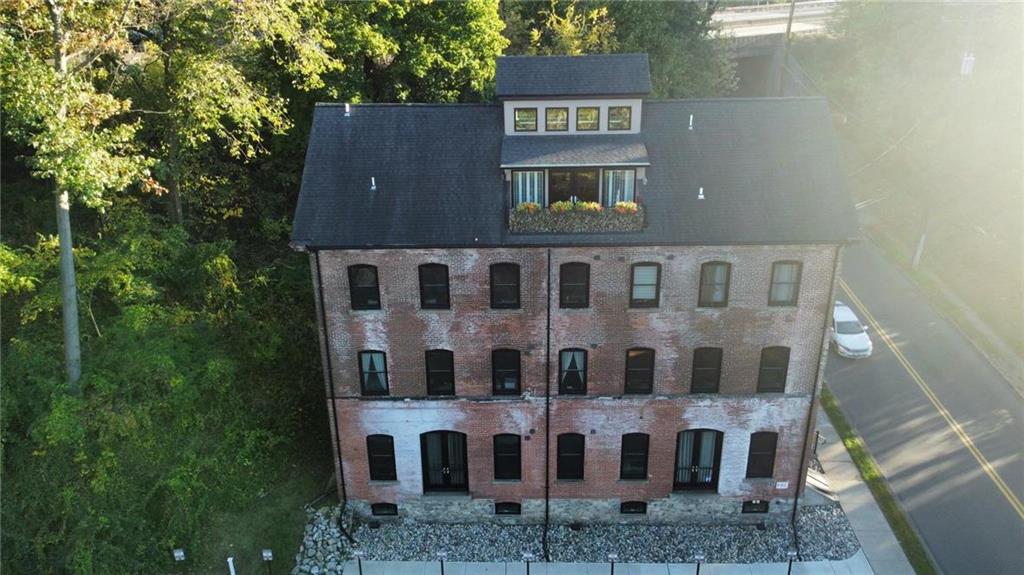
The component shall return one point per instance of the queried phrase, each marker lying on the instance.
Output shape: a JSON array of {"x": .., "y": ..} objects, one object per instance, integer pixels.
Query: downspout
[
  {"x": 330, "y": 379},
  {"x": 547, "y": 416},
  {"x": 814, "y": 398}
]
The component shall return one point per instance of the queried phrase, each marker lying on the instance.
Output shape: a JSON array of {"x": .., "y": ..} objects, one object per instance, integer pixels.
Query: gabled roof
[
  {"x": 554, "y": 76},
  {"x": 573, "y": 150},
  {"x": 770, "y": 169}
]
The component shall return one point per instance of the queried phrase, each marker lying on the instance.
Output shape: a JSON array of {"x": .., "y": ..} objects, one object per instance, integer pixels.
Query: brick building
[{"x": 651, "y": 352}]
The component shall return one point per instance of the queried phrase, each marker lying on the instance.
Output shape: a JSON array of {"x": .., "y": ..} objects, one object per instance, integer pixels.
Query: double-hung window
[
  {"x": 373, "y": 372},
  {"x": 380, "y": 450},
  {"x": 570, "y": 456},
  {"x": 528, "y": 187},
  {"x": 364, "y": 289},
  {"x": 634, "y": 456},
  {"x": 714, "y": 284},
  {"x": 504, "y": 286},
  {"x": 434, "y": 287},
  {"x": 771, "y": 378},
  {"x": 505, "y": 372},
  {"x": 574, "y": 285},
  {"x": 645, "y": 285},
  {"x": 507, "y": 457},
  {"x": 618, "y": 186},
  {"x": 707, "y": 370},
  {"x": 785, "y": 288},
  {"x": 525, "y": 119},
  {"x": 761, "y": 458},
  {"x": 572, "y": 372},
  {"x": 440, "y": 372},
  {"x": 639, "y": 370}
]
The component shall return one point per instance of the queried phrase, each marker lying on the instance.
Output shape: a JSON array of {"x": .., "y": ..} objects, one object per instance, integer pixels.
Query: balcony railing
[{"x": 582, "y": 217}]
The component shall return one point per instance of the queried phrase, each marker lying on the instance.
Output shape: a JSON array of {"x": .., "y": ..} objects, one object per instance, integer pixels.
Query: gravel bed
[{"x": 825, "y": 534}]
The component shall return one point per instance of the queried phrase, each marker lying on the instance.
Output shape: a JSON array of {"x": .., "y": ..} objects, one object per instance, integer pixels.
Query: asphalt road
[{"x": 949, "y": 440}]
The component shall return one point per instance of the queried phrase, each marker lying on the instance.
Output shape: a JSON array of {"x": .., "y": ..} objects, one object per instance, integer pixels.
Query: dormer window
[
  {"x": 526, "y": 119},
  {"x": 556, "y": 119},
  {"x": 588, "y": 119},
  {"x": 619, "y": 117}
]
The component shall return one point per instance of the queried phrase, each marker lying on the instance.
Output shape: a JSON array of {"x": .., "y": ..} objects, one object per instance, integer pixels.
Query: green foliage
[
  {"x": 588, "y": 207},
  {"x": 560, "y": 207}
]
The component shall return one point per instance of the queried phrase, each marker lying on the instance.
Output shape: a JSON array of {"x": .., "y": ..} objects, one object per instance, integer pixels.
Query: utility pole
[{"x": 785, "y": 53}]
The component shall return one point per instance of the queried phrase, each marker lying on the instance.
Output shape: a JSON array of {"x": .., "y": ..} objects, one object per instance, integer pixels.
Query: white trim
[{"x": 598, "y": 165}]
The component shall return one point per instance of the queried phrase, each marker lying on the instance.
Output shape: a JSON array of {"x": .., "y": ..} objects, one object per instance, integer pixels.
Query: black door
[
  {"x": 565, "y": 185},
  {"x": 444, "y": 461},
  {"x": 698, "y": 456}
]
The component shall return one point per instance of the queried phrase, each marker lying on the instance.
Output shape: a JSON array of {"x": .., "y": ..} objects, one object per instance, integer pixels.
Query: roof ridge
[{"x": 406, "y": 104}]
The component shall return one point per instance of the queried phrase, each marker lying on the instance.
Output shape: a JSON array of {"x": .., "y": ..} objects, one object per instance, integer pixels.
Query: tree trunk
[{"x": 69, "y": 292}]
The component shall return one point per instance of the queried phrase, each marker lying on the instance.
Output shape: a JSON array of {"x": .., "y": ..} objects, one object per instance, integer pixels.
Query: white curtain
[
  {"x": 645, "y": 282},
  {"x": 784, "y": 281},
  {"x": 528, "y": 187},
  {"x": 618, "y": 186}
]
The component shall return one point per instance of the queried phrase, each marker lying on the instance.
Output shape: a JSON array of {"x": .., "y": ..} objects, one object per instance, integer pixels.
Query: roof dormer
[{"x": 566, "y": 95}]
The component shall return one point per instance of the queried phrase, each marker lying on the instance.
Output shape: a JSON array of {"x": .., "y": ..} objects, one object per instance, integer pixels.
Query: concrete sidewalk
[
  {"x": 877, "y": 541},
  {"x": 856, "y": 565}
]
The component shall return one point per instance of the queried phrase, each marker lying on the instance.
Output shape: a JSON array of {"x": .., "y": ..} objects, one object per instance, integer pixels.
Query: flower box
[{"x": 583, "y": 219}]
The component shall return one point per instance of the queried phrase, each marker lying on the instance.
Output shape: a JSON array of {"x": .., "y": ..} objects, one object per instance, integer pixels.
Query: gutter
[
  {"x": 800, "y": 484},
  {"x": 330, "y": 380}
]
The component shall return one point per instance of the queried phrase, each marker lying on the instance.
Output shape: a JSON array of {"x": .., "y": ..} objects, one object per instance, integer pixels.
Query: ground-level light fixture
[
  {"x": 612, "y": 558},
  {"x": 358, "y": 554},
  {"x": 178, "y": 554},
  {"x": 699, "y": 558},
  {"x": 268, "y": 558},
  {"x": 527, "y": 558},
  {"x": 791, "y": 555},
  {"x": 441, "y": 556}
]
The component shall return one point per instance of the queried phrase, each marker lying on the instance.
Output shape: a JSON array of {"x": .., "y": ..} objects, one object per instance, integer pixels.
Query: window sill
[
  {"x": 635, "y": 481},
  {"x": 506, "y": 481},
  {"x": 451, "y": 495},
  {"x": 569, "y": 480},
  {"x": 383, "y": 482}
]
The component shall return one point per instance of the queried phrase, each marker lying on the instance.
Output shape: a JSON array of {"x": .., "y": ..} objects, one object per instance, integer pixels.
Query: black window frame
[
  {"x": 436, "y": 371},
  {"x": 635, "y": 449},
  {"x": 497, "y": 269},
  {"x": 547, "y": 120},
  {"x": 515, "y": 123},
  {"x": 353, "y": 289},
  {"x": 504, "y": 455},
  {"x": 634, "y": 371},
  {"x": 642, "y": 303},
  {"x": 380, "y": 456},
  {"x": 629, "y": 118},
  {"x": 508, "y": 508},
  {"x": 796, "y": 289},
  {"x": 633, "y": 508},
  {"x": 761, "y": 463},
  {"x": 496, "y": 389},
  {"x": 766, "y": 381},
  {"x": 562, "y": 389},
  {"x": 384, "y": 509},
  {"x": 716, "y": 369},
  {"x": 597, "y": 123},
  {"x": 363, "y": 374},
  {"x": 568, "y": 268},
  {"x": 705, "y": 299},
  {"x": 568, "y": 464},
  {"x": 424, "y": 287}
]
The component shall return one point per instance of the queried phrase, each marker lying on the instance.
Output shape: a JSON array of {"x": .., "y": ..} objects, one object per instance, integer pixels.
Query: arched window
[
  {"x": 570, "y": 456},
  {"x": 380, "y": 450},
  {"x": 574, "y": 285},
  {"x": 505, "y": 286},
  {"x": 373, "y": 372},
  {"x": 505, "y": 372},
  {"x": 633, "y": 463},
  {"x": 633, "y": 507},
  {"x": 645, "y": 285},
  {"x": 384, "y": 509},
  {"x": 507, "y": 457},
  {"x": 363, "y": 287},
  {"x": 639, "y": 370},
  {"x": 785, "y": 289},
  {"x": 440, "y": 372},
  {"x": 572, "y": 372},
  {"x": 771, "y": 377},
  {"x": 714, "y": 284},
  {"x": 707, "y": 370},
  {"x": 761, "y": 458},
  {"x": 507, "y": 508},
  {"x": 434, "y": 287}
]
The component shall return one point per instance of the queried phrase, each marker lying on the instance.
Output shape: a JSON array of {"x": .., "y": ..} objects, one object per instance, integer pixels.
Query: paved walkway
[{"x": 877, "y": 541}]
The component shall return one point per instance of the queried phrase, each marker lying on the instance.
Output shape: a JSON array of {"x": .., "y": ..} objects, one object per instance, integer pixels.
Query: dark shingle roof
[
  {"x": 591, "y": 75},
  {"x": 573, "y": 150},
  {"x": 770, "y": 169}
]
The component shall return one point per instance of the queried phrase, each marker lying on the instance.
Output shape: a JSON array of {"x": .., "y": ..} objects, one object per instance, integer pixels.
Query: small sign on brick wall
[{"x": 781, "y": 485}]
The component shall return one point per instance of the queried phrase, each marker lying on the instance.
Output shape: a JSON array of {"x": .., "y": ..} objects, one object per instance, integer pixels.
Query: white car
[{"x": 849, "y": 336}]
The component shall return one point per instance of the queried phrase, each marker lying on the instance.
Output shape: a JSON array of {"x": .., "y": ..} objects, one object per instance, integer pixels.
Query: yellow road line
[{"x": 934, "y": 399}]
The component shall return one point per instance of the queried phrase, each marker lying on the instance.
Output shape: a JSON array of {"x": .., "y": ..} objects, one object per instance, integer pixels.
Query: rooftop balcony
[{"x": 579, "y": 217}]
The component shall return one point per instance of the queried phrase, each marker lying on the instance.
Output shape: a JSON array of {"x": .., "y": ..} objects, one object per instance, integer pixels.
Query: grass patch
[
  {"x": 276, "y": 521},
  {"x": 894, "y": 514}
]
